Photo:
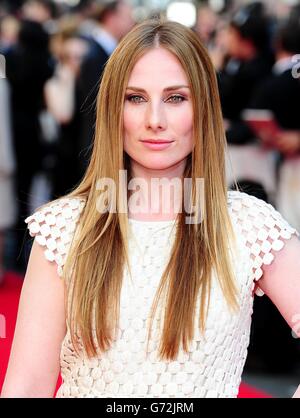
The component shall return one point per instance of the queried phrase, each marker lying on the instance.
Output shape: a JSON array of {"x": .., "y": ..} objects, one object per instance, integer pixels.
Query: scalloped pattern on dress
[
  {"x": 213, "y": 365},
  {"x": 53, "y": 228},
  {"x": 263, "y": 228}
]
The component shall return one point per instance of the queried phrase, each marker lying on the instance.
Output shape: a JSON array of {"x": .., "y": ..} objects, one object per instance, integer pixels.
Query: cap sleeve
[
  {"x": 264, "y": 229},
  {"x": 53, "y": 227}
]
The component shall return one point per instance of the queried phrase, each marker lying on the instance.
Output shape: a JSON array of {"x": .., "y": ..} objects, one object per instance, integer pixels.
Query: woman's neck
[{"x": 155, "y": 195}]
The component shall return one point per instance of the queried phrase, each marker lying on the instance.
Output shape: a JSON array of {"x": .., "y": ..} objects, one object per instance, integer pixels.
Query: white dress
[{"x": 214, "y": 364}]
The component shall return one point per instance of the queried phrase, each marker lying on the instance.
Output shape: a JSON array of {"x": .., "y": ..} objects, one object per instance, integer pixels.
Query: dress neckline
[{"x": 140, "y": 222}]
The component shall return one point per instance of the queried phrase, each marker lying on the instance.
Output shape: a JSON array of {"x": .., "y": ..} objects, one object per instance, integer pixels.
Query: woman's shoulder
[
  {"x": 53, "y": 226},
  {"x": 238, "y": 200},
  {"x": 263, "y": 230},
  {"x": 56, "y": 212},
  {"x": 252, "y": 213}
]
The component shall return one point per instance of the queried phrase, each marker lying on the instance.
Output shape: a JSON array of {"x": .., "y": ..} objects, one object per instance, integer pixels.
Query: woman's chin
[{"x": 155, "y": 165}]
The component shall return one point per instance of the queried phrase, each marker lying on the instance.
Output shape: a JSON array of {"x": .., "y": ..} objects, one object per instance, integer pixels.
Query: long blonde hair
[{"x": 98, "y": 255}]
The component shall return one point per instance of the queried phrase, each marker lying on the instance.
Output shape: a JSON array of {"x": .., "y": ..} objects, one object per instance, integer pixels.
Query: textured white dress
[{"x": 214, "y": 364}]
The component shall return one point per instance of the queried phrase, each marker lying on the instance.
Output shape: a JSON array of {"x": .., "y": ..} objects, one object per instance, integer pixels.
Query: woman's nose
[{"x": 155, "y": 117}]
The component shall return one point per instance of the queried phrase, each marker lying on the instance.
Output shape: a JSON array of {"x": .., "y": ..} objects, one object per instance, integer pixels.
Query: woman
[{"x": 158, "y": 303}]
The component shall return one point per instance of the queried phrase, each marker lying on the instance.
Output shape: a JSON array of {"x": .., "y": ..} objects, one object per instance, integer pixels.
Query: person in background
[
  {"x": 41, "y": 11},
  {"x": 112, "y": 20},
  {"x": 206, "y": 24},
  {"x": 28, "y": 67},
  {"x": 9, "y": 31},
  {"x": 280, "y": 93},
  {"x": 7, "y": 169},
  {"x": 249, "y": 60},
  {"x": 69, "y": 50}
]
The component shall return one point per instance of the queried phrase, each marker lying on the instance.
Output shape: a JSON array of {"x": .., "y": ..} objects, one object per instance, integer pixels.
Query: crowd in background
[{"x": 54, "y": 57}]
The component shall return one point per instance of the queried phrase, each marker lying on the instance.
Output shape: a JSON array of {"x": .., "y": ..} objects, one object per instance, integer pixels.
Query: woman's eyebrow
[{"x": 170, "y": 88}]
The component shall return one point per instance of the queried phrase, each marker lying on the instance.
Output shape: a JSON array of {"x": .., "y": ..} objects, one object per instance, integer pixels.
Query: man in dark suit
[
  {"x": 280, "y": 93},
  {"x": 111, "y": 21}
]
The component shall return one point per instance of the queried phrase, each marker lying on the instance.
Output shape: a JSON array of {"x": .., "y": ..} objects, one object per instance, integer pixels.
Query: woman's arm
[
  {"x": 281, "y": 283},
  {"x": 34, "y": 361}
]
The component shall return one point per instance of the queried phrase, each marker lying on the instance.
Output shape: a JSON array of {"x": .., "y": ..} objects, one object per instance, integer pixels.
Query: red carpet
[{"x": 9, "y": 298}]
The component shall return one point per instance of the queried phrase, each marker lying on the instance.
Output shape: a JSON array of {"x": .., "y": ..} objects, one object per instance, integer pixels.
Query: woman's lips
[{"x": 157, "y": 145}]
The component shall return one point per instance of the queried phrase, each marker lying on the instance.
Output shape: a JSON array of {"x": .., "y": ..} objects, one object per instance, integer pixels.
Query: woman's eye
[
  {"x": 134, "y": 99},
  {"x": 176, "y": 98}
]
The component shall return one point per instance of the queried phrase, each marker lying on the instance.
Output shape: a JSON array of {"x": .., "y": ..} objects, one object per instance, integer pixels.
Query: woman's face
[
  {"x": 73, "y": 52},
  {"x": 158, "y": 107}
]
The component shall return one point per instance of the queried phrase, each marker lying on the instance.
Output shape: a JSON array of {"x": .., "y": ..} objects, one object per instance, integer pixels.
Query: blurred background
[{"x": 52, "y": 53}]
